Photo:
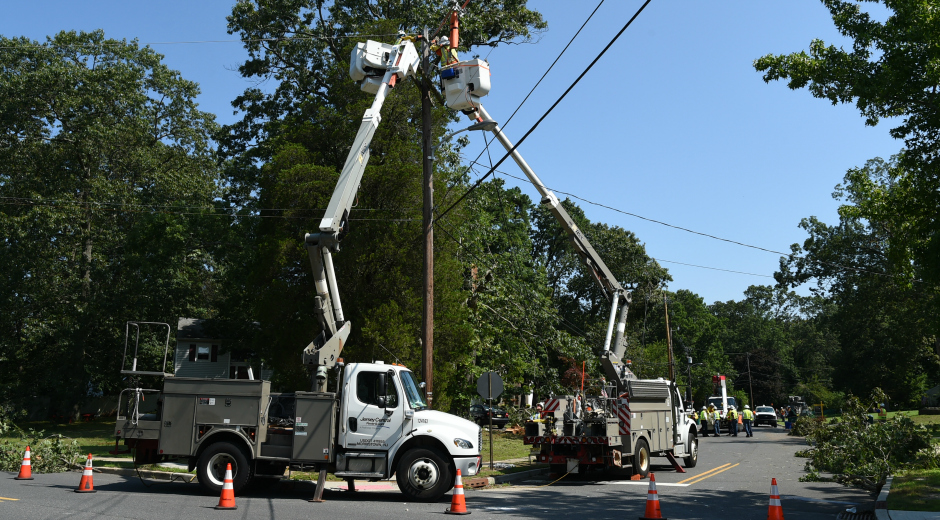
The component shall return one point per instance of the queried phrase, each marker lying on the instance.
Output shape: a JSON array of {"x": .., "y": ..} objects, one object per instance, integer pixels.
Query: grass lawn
[
  {"x": 506, "y": 446},
  {"x": 95, "y": 437},
  {"x": 916, "y": 491}
]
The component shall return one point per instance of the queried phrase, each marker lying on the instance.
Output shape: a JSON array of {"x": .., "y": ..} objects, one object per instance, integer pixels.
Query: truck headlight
[{"x": 463, "y": 444}]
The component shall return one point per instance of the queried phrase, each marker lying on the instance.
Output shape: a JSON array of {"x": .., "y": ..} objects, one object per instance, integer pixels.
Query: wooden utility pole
[
  {"x": 749, "y": 380},
  {"x": 427, "y": 325},
  {"x": 672, "y": 367}
]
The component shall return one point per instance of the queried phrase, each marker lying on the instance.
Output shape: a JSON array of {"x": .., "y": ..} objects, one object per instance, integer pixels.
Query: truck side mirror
[{"x": 380, "y": 390}]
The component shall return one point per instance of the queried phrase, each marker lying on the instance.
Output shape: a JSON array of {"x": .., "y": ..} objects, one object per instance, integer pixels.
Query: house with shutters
[{"x": 200, "y": 352}]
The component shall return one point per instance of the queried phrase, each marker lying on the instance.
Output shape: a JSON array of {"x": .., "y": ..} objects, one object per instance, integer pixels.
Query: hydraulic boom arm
[
  {"x": 378, "y": 67},
  {"x": 619, "y": 297}
]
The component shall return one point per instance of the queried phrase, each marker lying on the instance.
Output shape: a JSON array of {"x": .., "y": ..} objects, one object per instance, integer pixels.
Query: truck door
[{"x": 374, "y": 410}]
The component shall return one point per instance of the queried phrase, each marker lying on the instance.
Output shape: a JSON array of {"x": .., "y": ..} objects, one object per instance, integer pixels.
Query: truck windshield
[
  {"x": 411, "y": 391},
  {"x": 716, "y": 402}
]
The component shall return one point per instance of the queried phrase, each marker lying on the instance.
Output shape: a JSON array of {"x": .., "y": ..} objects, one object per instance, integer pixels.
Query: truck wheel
[
  {"x": 691, "y": 448},
  {"x": 641, "y": 458},
  {"x": 210, "y": 469},
  {"x": 424, "y": 475}
]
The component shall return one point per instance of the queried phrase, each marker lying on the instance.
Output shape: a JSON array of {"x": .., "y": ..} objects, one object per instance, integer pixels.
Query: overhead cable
[{"x": 549, "y": 111}]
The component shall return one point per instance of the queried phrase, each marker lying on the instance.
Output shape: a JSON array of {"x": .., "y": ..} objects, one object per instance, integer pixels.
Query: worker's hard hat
[
  {"x": 703, "y": 408},
  {"x": 444, "y": 41},
  {"x": 731, "y": 407},
  {"x": 747, "y": 407}
]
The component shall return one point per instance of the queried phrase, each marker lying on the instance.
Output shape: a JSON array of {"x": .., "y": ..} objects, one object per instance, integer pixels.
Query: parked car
[
  {"x": 481, "y": 413},
  {"x": 765, "y": 415}
]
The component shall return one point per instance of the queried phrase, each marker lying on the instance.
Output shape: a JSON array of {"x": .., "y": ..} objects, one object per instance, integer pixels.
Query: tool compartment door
[
  {"x": 176, "y": 427},
  {"x": 314, "y": 427}
]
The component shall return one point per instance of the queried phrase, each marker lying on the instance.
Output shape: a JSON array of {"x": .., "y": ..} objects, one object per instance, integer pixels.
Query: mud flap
[{"x": 573, "y": 465}]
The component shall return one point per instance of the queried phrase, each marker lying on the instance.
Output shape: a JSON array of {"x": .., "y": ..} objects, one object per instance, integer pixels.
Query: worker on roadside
[
  {"x": 748, "y": 417},
  {"x": 703, "y": 420},
  {"x": 732, "y": 421},
  {"x": 791, "y": 416},
  {"x": 716, "y": 420}
]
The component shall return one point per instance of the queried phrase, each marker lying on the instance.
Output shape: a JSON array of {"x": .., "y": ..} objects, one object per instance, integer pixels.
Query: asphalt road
[{"x": 732, "y": 480}]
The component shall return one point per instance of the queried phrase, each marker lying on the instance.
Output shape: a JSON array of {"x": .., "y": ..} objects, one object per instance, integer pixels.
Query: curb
[
  {"x": 881, "y": 503},
  {"x": 481, "y": 482},
  {"x": 474, "y": 483},
  {"x": 146, "y": 473}
]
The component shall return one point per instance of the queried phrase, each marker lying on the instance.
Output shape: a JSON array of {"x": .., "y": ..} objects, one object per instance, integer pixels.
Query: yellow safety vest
[
  {"x": 704, "y": 415},
  {"x": 732, "y": 414},
  {"x": 748, "y": 415}
]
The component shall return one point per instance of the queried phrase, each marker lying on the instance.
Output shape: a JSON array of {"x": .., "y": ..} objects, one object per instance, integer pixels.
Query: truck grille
[{"x": 480, "y": 439}]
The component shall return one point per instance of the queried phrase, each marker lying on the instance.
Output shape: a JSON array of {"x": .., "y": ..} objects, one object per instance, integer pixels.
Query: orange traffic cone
[
  {"x": 87, "y": 484},
  {"x": 227, "y": 500},
  {"x": 26, "y": 469},
  {"x": 458, "y": 503},
  {"x": 652, "y": 502},
  {"x": 775, "y": 510}
]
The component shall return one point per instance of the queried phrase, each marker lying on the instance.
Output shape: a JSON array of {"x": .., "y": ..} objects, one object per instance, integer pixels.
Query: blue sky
[{"x": 673, "y": 124}]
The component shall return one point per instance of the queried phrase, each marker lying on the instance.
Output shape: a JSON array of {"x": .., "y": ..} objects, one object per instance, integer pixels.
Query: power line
[
  {"x": 188, "y": 42},
  {"x": 549, "y": 111},
  {"x": 122, "y": 208},
  {"x": 707, "y": 235},
  {"x": 712, "y": 268}
]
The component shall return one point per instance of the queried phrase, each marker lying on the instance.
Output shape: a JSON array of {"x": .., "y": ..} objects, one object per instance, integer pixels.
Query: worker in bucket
[
  {"x": 445, "y": 51},
  {"x": 703, "y": 419},
  {"x": 748, "y": 416}
]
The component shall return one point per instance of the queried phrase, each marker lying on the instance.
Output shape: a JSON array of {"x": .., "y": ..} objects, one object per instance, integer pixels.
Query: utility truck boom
[
  {"x": 373, "y": 424},
  {"x": 629, "y": 417}
]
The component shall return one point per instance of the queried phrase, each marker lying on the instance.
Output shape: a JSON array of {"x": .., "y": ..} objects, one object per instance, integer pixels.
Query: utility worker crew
[
  {"x": 732, "y": 422},
  {"x": 703, "y": 418},
  {"x": 716, "y": 420},
  {"x": 538, "y": 412},
  {"x": 748, "y": 417},
  {"x": 448, "y": 55}
]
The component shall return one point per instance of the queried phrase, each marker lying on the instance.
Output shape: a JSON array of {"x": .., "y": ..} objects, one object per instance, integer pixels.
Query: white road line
[{"x": 640, "y": 483}]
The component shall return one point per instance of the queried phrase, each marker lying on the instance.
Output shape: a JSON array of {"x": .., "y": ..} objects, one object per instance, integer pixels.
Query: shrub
[
  {"x": 861, "y": 454},
  {"x": 48, "y": 454}
]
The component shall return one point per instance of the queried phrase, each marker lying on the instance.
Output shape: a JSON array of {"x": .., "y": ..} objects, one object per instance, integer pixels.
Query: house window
[{"x": 203, "y": 353}]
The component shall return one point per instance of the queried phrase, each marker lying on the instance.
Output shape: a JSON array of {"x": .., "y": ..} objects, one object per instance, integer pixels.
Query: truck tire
[
  {"x": 691, "y": 448},
  {"x": 424, "y": 475},
  {"x": 641, "y": 458},
  {"x": 210, "y": 469}
]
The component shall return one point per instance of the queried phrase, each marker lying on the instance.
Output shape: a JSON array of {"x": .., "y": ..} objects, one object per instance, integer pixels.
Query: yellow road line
[
  {"x": 5, "y": 498},
  {"x": 702, "y": 474},
  {"x": 713, "y": 474}
]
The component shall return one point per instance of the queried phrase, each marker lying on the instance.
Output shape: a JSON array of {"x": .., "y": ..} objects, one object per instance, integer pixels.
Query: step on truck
[{"x": 373, "y": 425}]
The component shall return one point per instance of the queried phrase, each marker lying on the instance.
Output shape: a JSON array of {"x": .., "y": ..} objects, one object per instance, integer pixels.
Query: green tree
[
  {"x": 105, "y": 169},
  {"x": 886, "y": 325},
  {"x": 890, "y": 71}
]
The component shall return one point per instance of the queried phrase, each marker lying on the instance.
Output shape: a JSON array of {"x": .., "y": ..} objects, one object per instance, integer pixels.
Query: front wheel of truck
[
  {"x": 424, "y": 475},
  {"x": 210, "y": 469}
]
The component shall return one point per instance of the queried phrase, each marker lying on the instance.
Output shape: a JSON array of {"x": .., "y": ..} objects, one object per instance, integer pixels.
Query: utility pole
[
  {"x": 427, "y": 322},
  {"x": 672, "y": 368},
  {"x": 750, "y": 381}
]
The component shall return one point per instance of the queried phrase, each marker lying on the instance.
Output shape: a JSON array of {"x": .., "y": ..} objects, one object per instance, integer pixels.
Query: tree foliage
[
  {"x": 892, "y": 70},
  {"x": 100, "y": 144},
  {"x": 861, "y": 453}
]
